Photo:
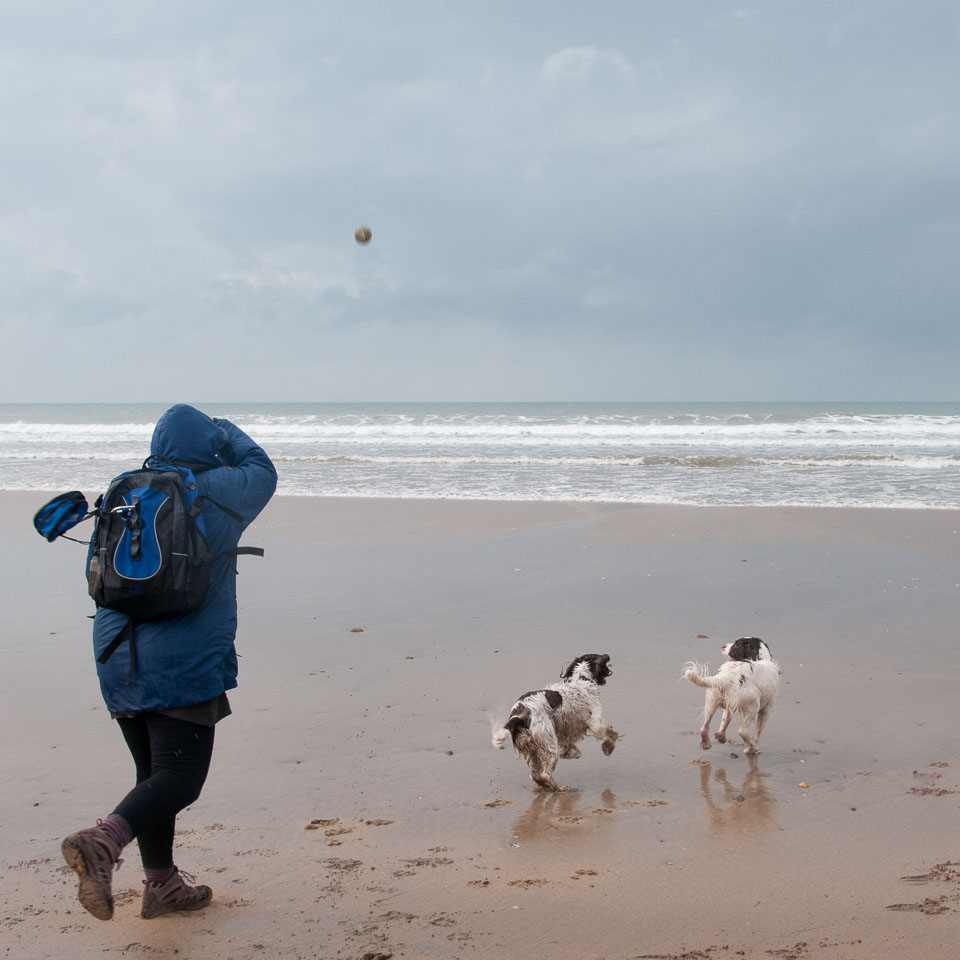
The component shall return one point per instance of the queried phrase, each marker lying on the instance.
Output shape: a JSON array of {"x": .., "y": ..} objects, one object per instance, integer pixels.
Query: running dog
[
  {"x": 746, "y": 684},
  {"x": 545, "y": 725}
]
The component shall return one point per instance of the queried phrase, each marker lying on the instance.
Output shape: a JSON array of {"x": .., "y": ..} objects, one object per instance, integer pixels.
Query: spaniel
[
  {"x": 746, "y": 685},
  {"x": 546, "y": 725}
]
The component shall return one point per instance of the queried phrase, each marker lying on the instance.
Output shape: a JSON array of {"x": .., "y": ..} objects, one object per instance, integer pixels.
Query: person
[{"x": 168, "y": 705}]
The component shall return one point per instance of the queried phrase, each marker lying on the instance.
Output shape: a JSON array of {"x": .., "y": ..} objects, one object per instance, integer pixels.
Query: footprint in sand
[
  {"x": 930, "y": 790},
  {"x": 322, "y": 822},
  {"x": 947, "y": 872},
  {"x": 121, "y": 897},
  {"x": 929, "y": 907},
  {"x": 337, "y": 831}
]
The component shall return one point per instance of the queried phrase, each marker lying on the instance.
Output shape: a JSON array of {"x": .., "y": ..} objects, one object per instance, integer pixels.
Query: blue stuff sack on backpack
[{"x": 60, "y": 514}]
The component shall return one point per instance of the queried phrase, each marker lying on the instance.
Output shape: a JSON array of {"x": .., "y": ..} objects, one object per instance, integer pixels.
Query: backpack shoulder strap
[
  {"x": 232, "y": 514},
  {"x": 236, "y": 551}
]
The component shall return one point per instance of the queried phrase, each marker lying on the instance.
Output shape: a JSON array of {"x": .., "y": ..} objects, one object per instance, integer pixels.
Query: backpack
[{"x": 149, "y": 556}]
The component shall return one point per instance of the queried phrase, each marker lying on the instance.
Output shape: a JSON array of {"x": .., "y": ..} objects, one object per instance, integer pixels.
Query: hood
[{"x": 185, "y": 435}]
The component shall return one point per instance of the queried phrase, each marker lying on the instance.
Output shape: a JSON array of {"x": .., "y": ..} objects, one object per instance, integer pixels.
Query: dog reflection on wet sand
[
  {"x": 555, "y": 810},
  {"x": 748, "y": 806}
]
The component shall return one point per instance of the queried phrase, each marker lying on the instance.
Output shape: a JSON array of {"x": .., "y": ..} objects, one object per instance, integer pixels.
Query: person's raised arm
[{"x": 251, "y": 478}]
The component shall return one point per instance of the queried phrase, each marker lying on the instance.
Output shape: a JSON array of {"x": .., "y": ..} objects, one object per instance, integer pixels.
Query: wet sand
[{"x": 356, "y": 809}]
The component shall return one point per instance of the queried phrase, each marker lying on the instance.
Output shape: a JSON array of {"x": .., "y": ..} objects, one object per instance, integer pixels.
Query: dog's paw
[
  {"x": 607, "y": 747},
  {"x": 720, "y": 737},
  {"x": 546, "y": 783},
  {"x": 705, "y": 744}
]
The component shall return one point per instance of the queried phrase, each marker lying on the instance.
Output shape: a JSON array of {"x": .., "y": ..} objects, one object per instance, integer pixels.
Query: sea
[{"x": 813, "y": 454}]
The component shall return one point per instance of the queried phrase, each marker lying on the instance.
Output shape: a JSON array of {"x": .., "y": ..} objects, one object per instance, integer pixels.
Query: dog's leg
[
  {"x": 748, "y": 713},
  {"x": 721, "y": 735},
  {"x": 602, "y": 732},
  {"x": 710, "y": 706},
  {"x": 762, "y": 714},
  {"x": 543, "y": 758},
  {"x": 542, "y": 775},
  {"x": 571, "y": 752}
]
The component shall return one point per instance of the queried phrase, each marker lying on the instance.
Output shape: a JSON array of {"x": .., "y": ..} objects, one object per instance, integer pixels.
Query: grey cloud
[{"x": 678, "y": 189}]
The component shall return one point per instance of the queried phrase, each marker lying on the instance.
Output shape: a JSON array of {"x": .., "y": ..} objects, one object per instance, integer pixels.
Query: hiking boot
[
  {"x": 173, "y": 895},
  {"x": 93, "y": 854}
]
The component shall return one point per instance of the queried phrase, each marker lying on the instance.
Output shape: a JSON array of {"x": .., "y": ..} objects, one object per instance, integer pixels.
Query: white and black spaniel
[
  {"x": 546, "y": 725},
  {"x": 746, "y": 684}
]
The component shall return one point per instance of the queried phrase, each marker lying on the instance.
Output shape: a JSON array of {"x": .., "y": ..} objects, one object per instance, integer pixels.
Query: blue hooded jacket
[{"x": 190, "y": 659}]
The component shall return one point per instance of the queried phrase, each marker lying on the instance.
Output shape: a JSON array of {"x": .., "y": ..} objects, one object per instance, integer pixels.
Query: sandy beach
[{"x": 356, "y": 809}]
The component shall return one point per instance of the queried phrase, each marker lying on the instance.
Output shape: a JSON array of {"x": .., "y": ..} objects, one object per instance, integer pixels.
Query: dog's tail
[
  {"x": 694, "y": 672},
  {"x": 518, "y": 724},
  {"x": 500, "y": 737}
]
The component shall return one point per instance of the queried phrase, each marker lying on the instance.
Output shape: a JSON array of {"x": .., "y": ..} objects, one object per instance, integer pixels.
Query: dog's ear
[
  {"x": 567, "y": 673},
  {"x": 600, "y": 669}
]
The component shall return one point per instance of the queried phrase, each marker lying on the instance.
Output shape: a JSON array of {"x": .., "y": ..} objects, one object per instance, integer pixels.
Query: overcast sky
[{"x": 624, "y": 200}]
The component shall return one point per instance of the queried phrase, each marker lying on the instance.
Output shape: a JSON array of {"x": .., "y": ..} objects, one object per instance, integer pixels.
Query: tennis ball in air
[{"x": 362, "y": 234}]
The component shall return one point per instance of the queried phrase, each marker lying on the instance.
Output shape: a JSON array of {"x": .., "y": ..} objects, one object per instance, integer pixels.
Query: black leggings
[{"x": 172, "y": 759}]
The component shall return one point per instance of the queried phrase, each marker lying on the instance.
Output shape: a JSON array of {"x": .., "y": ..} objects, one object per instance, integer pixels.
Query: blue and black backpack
[{"x": 148, "y": 556}]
